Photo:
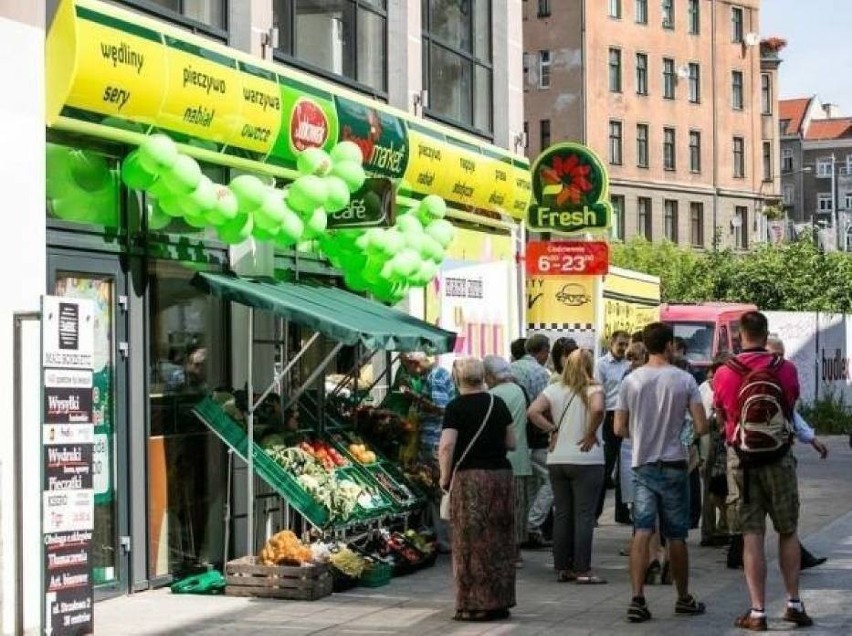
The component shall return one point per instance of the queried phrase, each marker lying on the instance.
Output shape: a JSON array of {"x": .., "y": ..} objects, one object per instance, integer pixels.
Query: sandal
[
  {"x": 638, "y": 612},
  {"x": 589, "y": 579}
]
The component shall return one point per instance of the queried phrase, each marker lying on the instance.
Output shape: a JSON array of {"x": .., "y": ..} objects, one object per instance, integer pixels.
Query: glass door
[{"x": 99, "y": 278}]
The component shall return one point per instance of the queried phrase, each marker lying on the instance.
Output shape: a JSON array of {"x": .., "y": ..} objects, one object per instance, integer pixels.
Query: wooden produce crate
[{"x": 246, "y": 577}]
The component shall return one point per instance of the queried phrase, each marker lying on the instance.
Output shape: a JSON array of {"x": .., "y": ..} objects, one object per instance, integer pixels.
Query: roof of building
[
  {"x": 794, "y": 111},
  {"x": 826, "y": 129}
]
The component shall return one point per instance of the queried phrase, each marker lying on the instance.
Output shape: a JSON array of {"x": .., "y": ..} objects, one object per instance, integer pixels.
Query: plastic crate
[{"x": 376, "y": 574}]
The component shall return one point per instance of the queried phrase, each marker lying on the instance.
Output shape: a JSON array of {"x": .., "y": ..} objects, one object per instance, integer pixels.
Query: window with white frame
[
  {"x": 668, "y": 78},
  {"x": 615, "y": 9},
  {"x": 615, "y": 70},
  {"x": 823, "y": 167},
  {"x": 544, "y": 69},
  {"x": 824, "y": 202},
  {"x": 642, "y": 73},
  {"x": 787, "y": 160},
  {"x": 694, "y": 82},
  {"x": 789, "y": 193}
]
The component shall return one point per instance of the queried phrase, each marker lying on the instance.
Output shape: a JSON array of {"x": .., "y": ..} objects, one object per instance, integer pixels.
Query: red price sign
[{"x": 561, "y": 258}]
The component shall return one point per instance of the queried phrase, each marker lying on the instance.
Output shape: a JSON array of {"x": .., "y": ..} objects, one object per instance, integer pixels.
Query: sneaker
[
  {"x": 536, "y": 540},
  {"x": 799, "y": 617},
  {"x": 638, "y": 612},
  {"x": 689, "y": 605},
  {"x": 752, "y": 623}
]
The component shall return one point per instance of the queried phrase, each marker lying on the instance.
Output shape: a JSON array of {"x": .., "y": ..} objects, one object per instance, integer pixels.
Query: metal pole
[
  {"x": 283, "y": 372},
  {"x": 18, "y": 463},
  {"x": 313, "y": 376},
  {"x": 250, "y": 451}
]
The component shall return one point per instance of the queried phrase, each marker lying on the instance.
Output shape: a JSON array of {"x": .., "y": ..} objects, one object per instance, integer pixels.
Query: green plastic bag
[{"x": 211, "y": 582}]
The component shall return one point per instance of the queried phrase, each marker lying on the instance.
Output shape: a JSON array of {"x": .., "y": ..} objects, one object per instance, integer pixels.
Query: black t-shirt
[{"x": 465, "y": 414}]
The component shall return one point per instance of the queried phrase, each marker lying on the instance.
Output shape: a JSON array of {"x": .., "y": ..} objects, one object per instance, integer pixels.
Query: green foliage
[
  {"x": 829, "y": 414},
  {"x": 796, "y": 276}
]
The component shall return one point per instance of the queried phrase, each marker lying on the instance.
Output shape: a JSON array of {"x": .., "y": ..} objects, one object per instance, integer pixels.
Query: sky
[{"x": 819, "y": 48}]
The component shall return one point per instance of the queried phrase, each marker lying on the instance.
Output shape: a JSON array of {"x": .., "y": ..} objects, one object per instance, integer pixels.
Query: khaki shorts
[{"x": 772, "y": 490}]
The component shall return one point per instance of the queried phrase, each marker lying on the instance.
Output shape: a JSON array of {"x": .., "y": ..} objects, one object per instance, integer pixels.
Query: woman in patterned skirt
[{"x": 477, "y": 433}]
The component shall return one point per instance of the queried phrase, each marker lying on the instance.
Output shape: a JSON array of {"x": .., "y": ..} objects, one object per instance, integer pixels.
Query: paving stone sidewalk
[{"x": 422, "y": 603}]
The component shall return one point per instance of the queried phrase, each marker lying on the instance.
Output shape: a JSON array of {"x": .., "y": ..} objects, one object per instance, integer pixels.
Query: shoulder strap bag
[
  {"x": 445, "y": 498},
  {"x": 554, "y": 436}
]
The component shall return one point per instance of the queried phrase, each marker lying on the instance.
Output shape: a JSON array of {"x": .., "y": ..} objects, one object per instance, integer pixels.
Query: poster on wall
[
  {"x": 68, "y": 436},
  {"x": 563, "y": 306}
]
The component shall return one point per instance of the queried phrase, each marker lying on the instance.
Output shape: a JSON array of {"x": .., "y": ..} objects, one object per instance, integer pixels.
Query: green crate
[
  {"x": 364, "y": 479},
  {"x": 393, "y": 492},
  {"x": 376, "y": 574}
]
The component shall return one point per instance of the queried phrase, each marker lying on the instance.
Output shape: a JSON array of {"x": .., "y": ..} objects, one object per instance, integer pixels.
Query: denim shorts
[{"x": 661, "y": 493}]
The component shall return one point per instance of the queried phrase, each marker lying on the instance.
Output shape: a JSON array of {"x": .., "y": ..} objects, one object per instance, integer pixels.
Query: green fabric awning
[{"x": 336, "y": 313}]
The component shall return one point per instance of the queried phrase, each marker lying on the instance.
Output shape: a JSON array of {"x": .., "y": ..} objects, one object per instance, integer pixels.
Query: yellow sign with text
[
  {"x": 561, "y": 299},
  {"x": 631, "y": 300},
  {"x": 260, "y": 117}
]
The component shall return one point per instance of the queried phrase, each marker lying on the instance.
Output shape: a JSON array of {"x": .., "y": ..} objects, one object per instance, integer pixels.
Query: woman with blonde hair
[
  {"x": 477, "y": 433},
  {"x": 575, "y": 462}
]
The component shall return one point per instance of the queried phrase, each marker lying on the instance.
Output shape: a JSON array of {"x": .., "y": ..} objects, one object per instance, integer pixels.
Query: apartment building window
[
  {"x": 669, "y": 159},
  {"x": 642, "y": 145},
  {"x": 694, "y": 151},
  {"x": 847, "y": 202},
  {"x": 787, "y": 160},
  {"x": 670, "y": 220},
  {"x": 641, "y": 9},
  {"x": 615, "y": 142},
  {"x": 643, "y": 217},
  {"x": 544, "y": 133},
  {"x": 617, "y": 231},
  {"x": 696, "y": 224},
  {"x": 765, "y": 94},
  {"x": 526, "y": 135},
  {"x": 767, "y": 161},
  {"x": 668, "y": 14},
  {"x": 789, "y": 194},
  {"x": 543, "y": 8},
  {"x": 544, "y": 69},
  {"x": 668, "y": 78},
  {"x": 208, "y": 13},
  {"x": 740, "y": 227},
  {"x": 642, "y": 73},
  {"x": 615, "y": 9},
  {"x": 824, "y": 202},
  {"x": 737, "y": 90},
  {"x": 694, "y": 82},
  {"x": 694, "y": 17},
  {"x": 824, "y": 167},
  {"x": 736, "y": 24},
  {"x": 527, "y": 64},
  {"x": 457, "y": 68},
  {"x": 783, "y": 125},
  {"x": 345, "y": 38},
  {"x": 739, "y": 157},
  {"x": 615, "y": 70}
]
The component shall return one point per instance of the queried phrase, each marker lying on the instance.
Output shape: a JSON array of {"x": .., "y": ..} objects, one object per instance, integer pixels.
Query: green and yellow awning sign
[{"x": 112, "y": 70}]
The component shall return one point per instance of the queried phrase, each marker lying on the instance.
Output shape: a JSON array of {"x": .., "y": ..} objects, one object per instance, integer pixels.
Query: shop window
[
  {"x": 82, "y": 187},
  {"x": 345, "y": 38},
  {"x": 208, "y": 13},
  {"x": 187, "y": 464},
  {"x": 457, "y": 67}
]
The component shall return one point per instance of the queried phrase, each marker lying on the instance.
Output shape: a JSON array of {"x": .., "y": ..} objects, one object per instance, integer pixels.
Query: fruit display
[
  {"x": 348, "y": 562},
  {"x": 284, "y": 548},
  {"x": 362, "y": 454},
  {"x": 325, "y": 454},
  {"x": 400, "y": 493}
]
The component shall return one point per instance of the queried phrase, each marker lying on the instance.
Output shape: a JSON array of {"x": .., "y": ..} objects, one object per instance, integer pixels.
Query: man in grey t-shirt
[{"x": 653, "y": 402}]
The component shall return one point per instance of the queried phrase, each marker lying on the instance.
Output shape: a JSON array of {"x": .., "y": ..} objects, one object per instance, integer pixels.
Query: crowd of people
[{"x": 527, "y": 450}]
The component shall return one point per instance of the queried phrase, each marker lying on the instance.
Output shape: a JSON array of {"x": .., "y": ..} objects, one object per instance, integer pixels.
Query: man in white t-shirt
[{"x": 653, "y": 402}]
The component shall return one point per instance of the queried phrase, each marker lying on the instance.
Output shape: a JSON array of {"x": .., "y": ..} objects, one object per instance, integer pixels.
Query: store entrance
[{"x": 99, "y": 278}]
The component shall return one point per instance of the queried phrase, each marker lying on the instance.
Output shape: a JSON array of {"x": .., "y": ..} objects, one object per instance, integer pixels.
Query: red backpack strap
[
  {"x": 737, "y": 367},
  {"x": 776, "y": 363}
]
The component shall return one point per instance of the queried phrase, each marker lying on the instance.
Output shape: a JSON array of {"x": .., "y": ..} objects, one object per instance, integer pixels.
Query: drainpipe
[{"x": 715, "y": 128}]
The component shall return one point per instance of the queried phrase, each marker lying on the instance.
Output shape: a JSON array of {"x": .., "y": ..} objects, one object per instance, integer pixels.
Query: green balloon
[
  {"x": 351, "y": 172},
  {"x": 171, "y": 205},
  {"x": 250, "y": 192},
  {"x": 183, "y": 176},
  {"x": 313, "y": 161},
  {"x": 347, "y": 151},
  {"x": 263, "y": 235},
  {"x": 203, "y": 198},
  {"x": 68, "y": 208},
  {"x": 284, "y": 241},
  {"x": 394, "y": 241},
  {"x": 430, "y": 249},
  {"x": 236, "y": 230},
  {"x": 307, "y": 194},
  {"x": 408, "y": 223},
  {"x": 353, "y": 261},
  {"x": 195, "y": 220},
  {"x": 134, "y": 175},
  {"x": 89, "y": 170},
  {"x": 225, "y": 207},
  {"x": 428, "y": 270},
  {"x": 292, "y": 227},
  {"x": 372, "y": 271},
  {"x": 405, "y": 263},
  {"x": 442, "y": 231},
  {"x": 316, "y": 223},
  {"x": 355, "y": 281},
  {"x": 158, "y": 153},
  {"x": 157, "y": 219},
  {"x": 159, "y": 190},
  {"x": 414, "y": 240},
  {"x": 338, "y": 194},
  {"x": 271, "y": 212},
  {"x": 432, "y": 207}
]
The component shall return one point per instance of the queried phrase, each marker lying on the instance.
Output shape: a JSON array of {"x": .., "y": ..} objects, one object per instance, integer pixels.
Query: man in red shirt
[{"x": 771, "y": 488}]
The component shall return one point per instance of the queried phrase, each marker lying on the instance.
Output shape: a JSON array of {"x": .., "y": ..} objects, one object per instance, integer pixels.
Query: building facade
[
  {"x": 816, "y": 169},
  {"x": 450, "y": 71},
  {"x": 676, "y": 97}
]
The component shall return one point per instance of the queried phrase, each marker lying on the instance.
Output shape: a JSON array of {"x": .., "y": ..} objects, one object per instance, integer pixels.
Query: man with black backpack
[{"x": 755, "y": 394}]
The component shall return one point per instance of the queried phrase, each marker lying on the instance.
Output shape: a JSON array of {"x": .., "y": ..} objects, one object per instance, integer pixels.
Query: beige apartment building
[{"x": 679, "y": 99}]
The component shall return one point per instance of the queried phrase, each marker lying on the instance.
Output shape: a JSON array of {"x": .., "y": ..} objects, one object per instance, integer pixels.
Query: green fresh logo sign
[{"x": 570, "y": 188}]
